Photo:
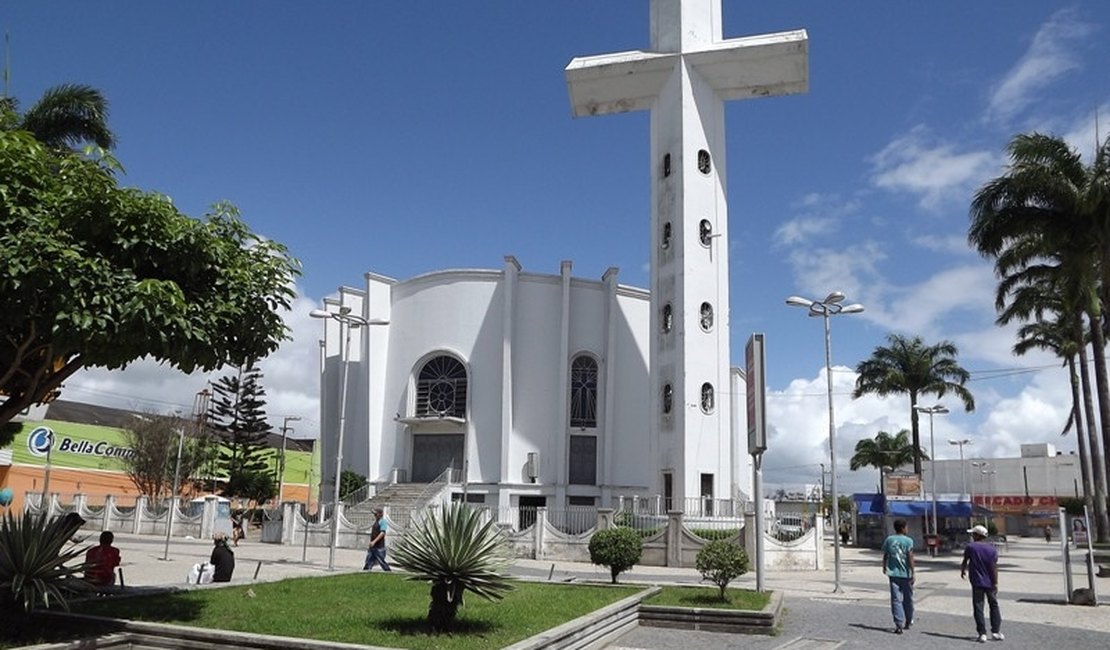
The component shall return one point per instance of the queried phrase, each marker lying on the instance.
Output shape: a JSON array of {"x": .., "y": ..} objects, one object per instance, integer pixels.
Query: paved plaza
[{"x": 1031, "y": 594}]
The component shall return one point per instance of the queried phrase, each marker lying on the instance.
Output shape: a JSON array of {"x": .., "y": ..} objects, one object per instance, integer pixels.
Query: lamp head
[
  {"x": 834, "y": 298},
  {"x": 798, "y": 301},
  {"x": 319, "y": 313},
  {"x": 853, "y": 308}
]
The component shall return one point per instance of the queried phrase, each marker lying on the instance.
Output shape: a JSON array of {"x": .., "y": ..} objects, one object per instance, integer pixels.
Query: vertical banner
[{"x": 755, "y": 367}]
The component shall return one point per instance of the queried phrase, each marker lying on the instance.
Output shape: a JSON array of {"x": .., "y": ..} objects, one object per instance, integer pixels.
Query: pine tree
[{"x": 239, "y": 417}]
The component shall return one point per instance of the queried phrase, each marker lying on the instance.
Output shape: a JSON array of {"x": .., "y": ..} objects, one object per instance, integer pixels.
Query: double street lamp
[
  {"x": 937, "y": 409},
  {"x": 963, "y": 470},
  {"x": 830, "y": 306},
  {"x": 347, "y": 322}
]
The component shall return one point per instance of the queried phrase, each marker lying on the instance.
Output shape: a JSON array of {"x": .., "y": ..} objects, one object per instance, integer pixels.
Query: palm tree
[
  {"x": 885, "y": 450},
  {"x": 456, "y": 551},
  {"x": 65, "y": 117},
  {"x": 1050, "y": 212},
  {"x": 908, "y": 366}
]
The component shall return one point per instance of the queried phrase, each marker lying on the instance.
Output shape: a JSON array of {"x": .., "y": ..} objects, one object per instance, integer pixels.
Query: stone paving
[{"x": 1031, "y": 594}]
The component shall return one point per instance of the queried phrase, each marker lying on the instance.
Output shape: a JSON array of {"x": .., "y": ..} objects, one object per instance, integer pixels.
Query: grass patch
[
  {"x": 709, "y": 597},
  {"x": 365, "y": 608}
]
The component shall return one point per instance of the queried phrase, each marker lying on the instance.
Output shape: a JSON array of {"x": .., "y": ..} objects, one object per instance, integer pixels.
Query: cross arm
[
  {"x": 617, "y": 83},
  {"x": 756, "y": 66}
]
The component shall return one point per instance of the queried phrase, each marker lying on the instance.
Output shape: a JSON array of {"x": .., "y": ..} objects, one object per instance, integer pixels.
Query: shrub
[
  {"x": 34, "y": 567},
  {"x": 617, "y": 548},
  {"x": 457, "y": 552},
  {"x": 721, "y": 562}
]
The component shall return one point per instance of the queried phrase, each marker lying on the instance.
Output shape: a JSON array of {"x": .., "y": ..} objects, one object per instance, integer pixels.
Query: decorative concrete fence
[
  {"x": 669, "y": 540},
  {"x": 140, "y": 519}
]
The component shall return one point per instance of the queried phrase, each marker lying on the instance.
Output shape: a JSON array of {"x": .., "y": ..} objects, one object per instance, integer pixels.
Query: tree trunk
[
  {"x": 1080, "y": 431},
  {"x": 1098, "y": 349},
  {"x": 446, "y": 600},
  {"x": 916, "y": 436}
]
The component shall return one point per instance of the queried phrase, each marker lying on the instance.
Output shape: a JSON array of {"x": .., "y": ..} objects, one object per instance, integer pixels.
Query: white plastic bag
[{"x": 200, "y": 574}]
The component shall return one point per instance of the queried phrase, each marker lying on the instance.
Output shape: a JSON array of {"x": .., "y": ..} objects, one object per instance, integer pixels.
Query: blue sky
[{"x": 408, "y": 137}]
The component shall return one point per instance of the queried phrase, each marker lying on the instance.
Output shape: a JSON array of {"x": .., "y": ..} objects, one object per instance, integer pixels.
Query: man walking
[
  {"x": 376, "y": 553},
  {"x": 982, "y": 558},
  {"x": 899, "y": 566}
]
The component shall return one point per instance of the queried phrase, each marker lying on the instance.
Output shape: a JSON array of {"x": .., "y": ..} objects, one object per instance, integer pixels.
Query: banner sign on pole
[{"x": 755, "y": 368}]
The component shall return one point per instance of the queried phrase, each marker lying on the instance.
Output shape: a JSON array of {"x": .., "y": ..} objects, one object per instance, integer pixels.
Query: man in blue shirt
[
  {"x": 376, "y": 553},
  {"x": 899, "y": 566},
  {"x": 982, "y": 558}
]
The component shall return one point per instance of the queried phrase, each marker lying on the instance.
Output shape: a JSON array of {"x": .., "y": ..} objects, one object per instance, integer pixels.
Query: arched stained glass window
[
  {"x": 441, "y": 388},
  {"x": 583, "y": 392}
]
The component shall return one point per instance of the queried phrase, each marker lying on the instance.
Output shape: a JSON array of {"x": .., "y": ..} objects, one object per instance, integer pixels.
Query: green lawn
[
  {"x": 366, "y": 608},
  {"x": 710, "y": 597}
]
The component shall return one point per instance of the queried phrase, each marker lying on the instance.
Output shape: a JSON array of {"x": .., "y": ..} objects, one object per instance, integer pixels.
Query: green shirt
[{"x": 897, "y": 550}]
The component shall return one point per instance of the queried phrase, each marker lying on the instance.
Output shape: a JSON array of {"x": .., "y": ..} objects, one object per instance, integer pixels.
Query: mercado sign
[{"x": 1011, "y": 504}]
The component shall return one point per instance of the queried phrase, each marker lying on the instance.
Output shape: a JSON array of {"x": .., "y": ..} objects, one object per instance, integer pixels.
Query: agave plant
[
  {"x": 457, "y": 550},
  {"x": 35, "y": 565}
]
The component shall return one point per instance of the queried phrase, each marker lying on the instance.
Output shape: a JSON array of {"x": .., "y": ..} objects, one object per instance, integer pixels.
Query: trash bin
[{"x": 932, "y": 543}]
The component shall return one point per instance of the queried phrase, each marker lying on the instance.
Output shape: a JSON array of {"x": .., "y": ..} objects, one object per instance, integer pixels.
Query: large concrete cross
[{"x": 684, "y": 81}]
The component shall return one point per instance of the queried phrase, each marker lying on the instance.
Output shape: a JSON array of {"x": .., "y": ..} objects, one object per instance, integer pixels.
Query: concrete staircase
[{"x": 399, "y": 500}]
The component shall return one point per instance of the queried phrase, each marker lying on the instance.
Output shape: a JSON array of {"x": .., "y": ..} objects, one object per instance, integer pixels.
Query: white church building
[
  {"x": 558, "y": 391},
  {"x": 534, "y": 388}
]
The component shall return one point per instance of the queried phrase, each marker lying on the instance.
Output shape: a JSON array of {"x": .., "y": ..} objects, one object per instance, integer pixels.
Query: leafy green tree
[
  {"x": 908, "y": 366},
  {"x": 93, "y": 275},
  {"x": 456, "y": 549},
  {"x": 721, "y": 562},
  {"x": 1048, "y": 215},
  {"x": 617, "y": 548},
  {"x": 65, "y": 117},
  {"x": 885, "y": 450},
  {"x": 350, "y": 482},
  {"x": 239, "y": 418},
  {"x": 35, "y": 566},
  {"x": 153, "y": 440}
]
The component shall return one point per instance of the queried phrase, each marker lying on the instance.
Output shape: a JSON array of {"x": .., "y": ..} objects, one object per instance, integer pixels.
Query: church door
[{"x": 433, "y": 453}]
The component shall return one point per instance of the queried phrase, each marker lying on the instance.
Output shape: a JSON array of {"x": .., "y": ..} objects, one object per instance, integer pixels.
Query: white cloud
[
  {"x": 943, "y": 243},
  {"x": 853, "y": 270},
  {"x": 935, "y": 171},
  {"x": 921, "y": 308},
  {"x": 803, "y": 229},
  {"x": 1088, "y": 133},
  {"x": 1037, "y": 413},
  {"x": 1048, "y": 58},
  {"x": 290, "y": 378}
]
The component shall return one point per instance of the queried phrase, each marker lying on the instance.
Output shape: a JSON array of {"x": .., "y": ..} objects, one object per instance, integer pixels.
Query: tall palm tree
[
  {"x": 909, "y": 366},
  {"x": 65, "y": 117},
  {"x": 1050, "y": 209},
  {"x": 885, "y": 450}
]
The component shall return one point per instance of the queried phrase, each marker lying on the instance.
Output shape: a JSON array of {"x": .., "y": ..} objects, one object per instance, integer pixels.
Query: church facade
[{"x": 532, "y": 389}]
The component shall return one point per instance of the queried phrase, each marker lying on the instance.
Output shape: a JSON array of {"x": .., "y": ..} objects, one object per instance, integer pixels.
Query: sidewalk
[{"x": 1031, "y": 584}]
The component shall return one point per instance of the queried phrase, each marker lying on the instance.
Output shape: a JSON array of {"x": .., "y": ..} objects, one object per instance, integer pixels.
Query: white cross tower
[{"x": 684, "y": 80}]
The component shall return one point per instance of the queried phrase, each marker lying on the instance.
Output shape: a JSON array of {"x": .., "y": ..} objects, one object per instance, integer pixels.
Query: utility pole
[{"x": 285, "y": 429}]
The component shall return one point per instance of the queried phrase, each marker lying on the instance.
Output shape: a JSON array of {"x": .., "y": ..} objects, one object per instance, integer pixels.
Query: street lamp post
[
  {"x": 936, "y": 409},
  {"x": 285, "y": 429},
  {"x": 347, "y": 321},
  {"x": 200, "y": 411},
  {"x": 830, "y": 306},
  {"x": 989, "y": 474},
  {"x": 963, "y": 470},
  {"x": 978, "y": 467}
]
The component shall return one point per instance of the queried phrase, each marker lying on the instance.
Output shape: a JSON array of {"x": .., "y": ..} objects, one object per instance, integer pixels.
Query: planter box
[{"x": 708, "y": 619}]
